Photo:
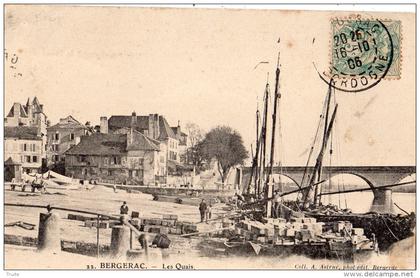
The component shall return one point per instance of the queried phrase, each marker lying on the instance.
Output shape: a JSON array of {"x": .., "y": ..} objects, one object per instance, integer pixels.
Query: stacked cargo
[
  {"x": 168, "y": 224},
  {"x": 271, "y": 230}
]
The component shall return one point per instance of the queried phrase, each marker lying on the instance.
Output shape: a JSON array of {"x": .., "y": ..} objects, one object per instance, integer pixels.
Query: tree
[
  {"x": 195, "y": 136},
  {"x": 226, "y": 146}
]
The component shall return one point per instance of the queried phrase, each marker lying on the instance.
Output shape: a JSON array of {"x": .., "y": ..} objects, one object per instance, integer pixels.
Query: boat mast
[
  {"x": 324, "y": 143},
  {"x": 263, "y": 138},
  {"x": 255, "y": 158},
  {"x": 317, "y": 171},
  {"x": 257, "y": 114},
  {"x": 269, "y": 189}
]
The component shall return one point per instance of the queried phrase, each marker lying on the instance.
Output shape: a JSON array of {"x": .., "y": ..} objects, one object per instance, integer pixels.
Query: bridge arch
[
  {"x": 277, "y": 177},
  {"x": 407, "y": 178},
  {"x": 331, "y": 176},
  {"x": 358, "y": 202}
]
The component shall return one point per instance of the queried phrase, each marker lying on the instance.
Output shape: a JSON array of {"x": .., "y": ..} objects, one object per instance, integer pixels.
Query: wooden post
[
  {"x": 97, "y": 235},
  {"x": 131, "y": 239},
  {"x": 120, "y": 241},
  {"x": 49, "y": 233}
]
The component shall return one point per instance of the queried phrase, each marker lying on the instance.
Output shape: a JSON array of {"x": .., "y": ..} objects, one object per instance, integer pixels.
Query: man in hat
[
  {"x": 203, "y": 208},
  {"x": 124, "y": 208}
]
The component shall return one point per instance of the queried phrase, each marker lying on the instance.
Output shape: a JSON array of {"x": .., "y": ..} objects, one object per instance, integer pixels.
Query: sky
[{"x": 199, "y": 65}]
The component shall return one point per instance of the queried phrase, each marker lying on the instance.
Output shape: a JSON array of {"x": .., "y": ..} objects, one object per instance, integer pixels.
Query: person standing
[
  {"x": 124, "y": 208},
  {"x": 277, "y": 204},
  {"x": 203, "y": 208},
  {"x": 208, "y": 213}
]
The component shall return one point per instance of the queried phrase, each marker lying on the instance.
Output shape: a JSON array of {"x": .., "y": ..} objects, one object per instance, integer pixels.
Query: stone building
[
  {"x": 182, "y": 142},
  {"x": 153, "y": 126},
  {"x": 127, "y": 157},
  {"x": 61, "y": 137},
  {"x": 22, "y": 150},
  {"x": 30, "y": 115}
]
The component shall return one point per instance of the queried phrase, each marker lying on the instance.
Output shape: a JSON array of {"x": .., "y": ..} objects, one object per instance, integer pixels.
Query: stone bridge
[{"x": 373, "y": 175}]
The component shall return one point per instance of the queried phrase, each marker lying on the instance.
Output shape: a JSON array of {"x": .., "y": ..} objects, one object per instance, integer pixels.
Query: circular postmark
[{"x": 361, "y": 54}]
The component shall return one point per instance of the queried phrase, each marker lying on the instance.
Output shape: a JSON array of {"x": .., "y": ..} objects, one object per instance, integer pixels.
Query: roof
[
  {"x": 142, "y": 142},
  {"x": 22, "y": 112},
  {"x": 165, "y": 130},
  {"x": 113, "y": 144},
  {"x": 67, "y": 123},
  {"x": 21, "y": 132},
  {"x": 10, "y": 161},
  {"x": 142, "y": 123},
  {"x": 117, "y": 122},
  {"x": 180, "y": 136},
  {"x": 37, "y": 107},
  {"x": 176, "y": 166},
  {"x": 100, "y": 144}
]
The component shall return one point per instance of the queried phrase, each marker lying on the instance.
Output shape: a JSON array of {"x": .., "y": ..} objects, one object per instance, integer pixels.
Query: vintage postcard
[{"x": 181, "y": 138}]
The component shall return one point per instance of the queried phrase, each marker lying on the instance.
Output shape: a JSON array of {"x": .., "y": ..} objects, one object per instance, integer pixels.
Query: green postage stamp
[{"x": 365, "y": 51}]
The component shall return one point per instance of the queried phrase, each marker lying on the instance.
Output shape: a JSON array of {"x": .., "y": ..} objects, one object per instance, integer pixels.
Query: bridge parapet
[{"x": 373, "y": 175}]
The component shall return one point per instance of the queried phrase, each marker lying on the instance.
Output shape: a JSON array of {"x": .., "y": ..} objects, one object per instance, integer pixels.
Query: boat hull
[{"x": 387, "y": 228}]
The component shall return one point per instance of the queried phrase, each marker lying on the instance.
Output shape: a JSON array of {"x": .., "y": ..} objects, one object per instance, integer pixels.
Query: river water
[{"x": 361, "y": 201}]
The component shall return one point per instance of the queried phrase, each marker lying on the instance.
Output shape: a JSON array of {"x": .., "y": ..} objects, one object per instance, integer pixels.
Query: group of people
[{"x": 205, "y": 211}]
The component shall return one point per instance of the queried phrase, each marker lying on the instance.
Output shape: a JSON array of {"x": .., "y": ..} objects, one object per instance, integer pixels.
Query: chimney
[
  {"x": 178, "y": 129},
  {"x": 130, "y": 135},
  {"x": 156, "y": 123},
  {"x": 133, "y": 120},
  {"x": 151, "y": 130},
  {"x": 104, "y": 124},
  {"x": 16, "y": 110}
]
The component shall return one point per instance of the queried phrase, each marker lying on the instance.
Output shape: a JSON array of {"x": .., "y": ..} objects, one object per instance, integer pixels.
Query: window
[
  {"x": 25, "y": 147},
  {"x": 28, "y": 158},
  {"x": 55, "y": 147},
  {"x": 110, "y": 172},
  {"x": 82, "y": 158},
  {"x": 72, "y": 136},
  {"x": 34, "y": 159},
  {"x": 116, "y": 160},
  {"x": 57, "y": 136},
  {"x": 56, "y": 158}
]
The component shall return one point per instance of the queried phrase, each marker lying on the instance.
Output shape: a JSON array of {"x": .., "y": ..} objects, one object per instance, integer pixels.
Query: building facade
[
  {"x": 182, "y": 142},
  {"x": 129, "y": 158},
  {"x": 30, "y": 115},
  {"x": 23, "y": 146},
  {"x": 61, "y": 137},
  {"x": 153, "y": 126}
]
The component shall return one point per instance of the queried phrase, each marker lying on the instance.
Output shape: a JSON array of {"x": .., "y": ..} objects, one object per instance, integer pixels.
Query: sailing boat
[
  {"x": 387, "y": 228},
  {"x": 297, "y": 234}
]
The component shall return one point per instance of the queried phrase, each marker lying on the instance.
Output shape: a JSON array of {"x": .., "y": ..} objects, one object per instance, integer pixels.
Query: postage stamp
[{"x": 363, "y": 52}]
